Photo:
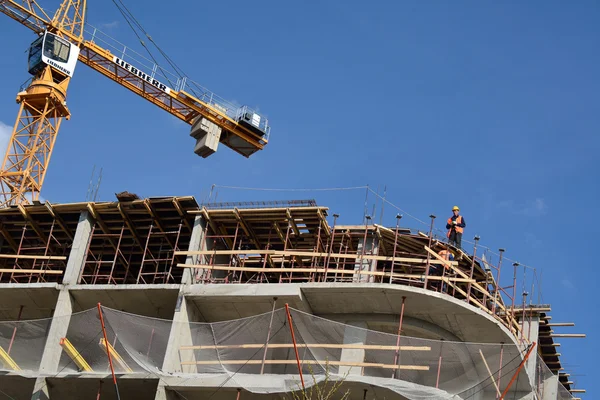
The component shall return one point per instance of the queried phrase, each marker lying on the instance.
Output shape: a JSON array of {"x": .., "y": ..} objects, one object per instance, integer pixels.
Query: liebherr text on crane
[{"x": 65, "y": 39}]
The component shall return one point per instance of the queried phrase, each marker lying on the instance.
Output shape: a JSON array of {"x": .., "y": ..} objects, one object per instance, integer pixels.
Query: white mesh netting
[{"x": 257, "y": 354}]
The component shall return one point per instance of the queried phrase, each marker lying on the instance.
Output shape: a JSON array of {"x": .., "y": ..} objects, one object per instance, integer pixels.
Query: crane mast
[
  {"x": 42, "y": 106},
  {"x": 63, "y": 41}
]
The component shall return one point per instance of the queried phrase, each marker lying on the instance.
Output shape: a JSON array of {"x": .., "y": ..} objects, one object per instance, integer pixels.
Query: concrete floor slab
[
  {"x": 382, "y": 303},
  {"x": 465, "y": 321},
  {"x": 150, "y": 300},
  {"x": 38, "y": 300}
]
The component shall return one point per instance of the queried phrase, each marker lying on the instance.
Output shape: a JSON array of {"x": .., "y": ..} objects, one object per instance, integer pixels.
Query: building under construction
[{"x": 163, "y": 298}]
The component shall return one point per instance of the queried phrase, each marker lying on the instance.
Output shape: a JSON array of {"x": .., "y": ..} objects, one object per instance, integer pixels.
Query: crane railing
[{"x": 176, "y": 82}]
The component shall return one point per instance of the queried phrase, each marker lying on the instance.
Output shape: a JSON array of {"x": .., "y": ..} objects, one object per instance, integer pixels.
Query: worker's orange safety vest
[{"x": 457, "y": 228}]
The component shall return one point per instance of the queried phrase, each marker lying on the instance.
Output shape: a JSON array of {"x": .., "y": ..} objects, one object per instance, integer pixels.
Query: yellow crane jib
[{"x": 75, "y": 355}]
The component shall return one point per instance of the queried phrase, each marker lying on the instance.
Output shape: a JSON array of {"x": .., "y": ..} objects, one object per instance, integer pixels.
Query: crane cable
[
  {"x": 130, "y": 18},
  {"x": 143, "y": 44}
]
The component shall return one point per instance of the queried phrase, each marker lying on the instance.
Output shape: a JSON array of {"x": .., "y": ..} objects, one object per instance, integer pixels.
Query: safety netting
[{"x": 258, "y": 354}]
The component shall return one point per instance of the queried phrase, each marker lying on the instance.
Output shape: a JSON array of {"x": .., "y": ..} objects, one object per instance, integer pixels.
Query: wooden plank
[
  {"x": 30, "y": 271},
  {"x": 322, "y": 270},
  {"x": 310, "y": 254},
  {"x": 311, "y": 362},
  {"x": 566, "y": 335},
  {"x": 7, "y": 360},
  {"x": 30, "y": 257},
  {"x": 448, "y": 264},
  {"x": 75, "y": 355},
  {"x": 116, "y": 357},
  {"x": 307, "y": 345},
  {"x": 490, "y": 373}
]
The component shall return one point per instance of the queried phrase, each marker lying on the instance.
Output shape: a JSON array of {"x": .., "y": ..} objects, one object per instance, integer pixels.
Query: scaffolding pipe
[
  {"x": 112, "y": 369},
  {"x": 289, "y": 317},
  {"x": 364, "y": 245},
  {"x": 429, "y": 254},
  {"x": 501, "y": 251},
  {"x": 437, "y": 381},
  {"x": 472, "y": 268},
  {"x": 531, "y": 346},
  {"x": 514, "y": 296},
  {"x": 12, "y": 339},
  {"x": 397, "y": 355},
  {"x": 398, "y": 218},
  {"x": 262, "y": 366},
  {"x": 335, "y": 217}
]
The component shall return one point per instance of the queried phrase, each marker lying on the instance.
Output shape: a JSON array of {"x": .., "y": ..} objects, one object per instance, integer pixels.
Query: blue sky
[{"x": 489, "y": 105}]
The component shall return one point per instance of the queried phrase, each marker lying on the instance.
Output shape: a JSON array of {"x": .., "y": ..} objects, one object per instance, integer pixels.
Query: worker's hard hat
[{"x": 455, "y": 208}]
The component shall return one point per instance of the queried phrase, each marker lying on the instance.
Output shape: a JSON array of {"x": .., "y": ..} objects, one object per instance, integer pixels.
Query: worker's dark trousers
[{"x": 455, "y": 239}]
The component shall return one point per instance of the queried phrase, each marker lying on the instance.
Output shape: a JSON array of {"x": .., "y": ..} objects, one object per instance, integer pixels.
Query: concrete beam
[
  {"x": 530, "y": 333},
  {"x": 550, "y": 388}
]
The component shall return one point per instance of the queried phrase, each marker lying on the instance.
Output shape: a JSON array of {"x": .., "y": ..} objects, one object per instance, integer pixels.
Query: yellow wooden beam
[
  {"x": 75, "y": 355},
  {"x": 116, "y": 357},
  {"x": 7, "y": 360}
]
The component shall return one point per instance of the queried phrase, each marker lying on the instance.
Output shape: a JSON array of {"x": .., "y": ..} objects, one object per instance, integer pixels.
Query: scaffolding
[{"x": 147, "y": 241}]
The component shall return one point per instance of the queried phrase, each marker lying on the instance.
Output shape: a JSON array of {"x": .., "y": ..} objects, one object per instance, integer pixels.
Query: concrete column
[
  {"x": 78, "y": 251},
  {"x": 550, "y": 388},
  {"x": 371, "y": 246},
  {"x": 52, "y": 350},
  {"x": 530, "y": 333},
  {"x": 181, "y": 332},
  {"x": 356, "y": 336},
  {"x": 181, "y": 335},
  {"x": 197, "y": 243}
]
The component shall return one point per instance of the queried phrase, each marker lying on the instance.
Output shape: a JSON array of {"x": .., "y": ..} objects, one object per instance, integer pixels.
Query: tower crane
[{"x": 66, "y": 38}]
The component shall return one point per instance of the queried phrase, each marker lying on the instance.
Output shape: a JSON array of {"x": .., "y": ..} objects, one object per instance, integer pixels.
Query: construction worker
[{"x": 455, "y": 225}]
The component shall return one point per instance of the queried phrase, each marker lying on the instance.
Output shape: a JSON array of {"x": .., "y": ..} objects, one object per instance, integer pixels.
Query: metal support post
[
  {"x": 428, "y": 254},
  {"x": 112, "y": 369},
  {"x": 476, "y": 238},
  {"x": 262, "y": 366},
  {"x": 397, "y": 355},
  {"x": 398, "y": 218},
  {"x": 531, "y": 346},
  {"x": 437, "y": 381},
  {"x": 12, "y": 339},
  {"x": 335, "y": 217},
  {"x": 289, "y": 316},
  {"x": 99, "y": 389},
  {"x": 514, "y": 296},
  {"x": 501, "y": 251},
  {"x": 362, "y": 253},
  {"x": 523, "y": 317}
]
